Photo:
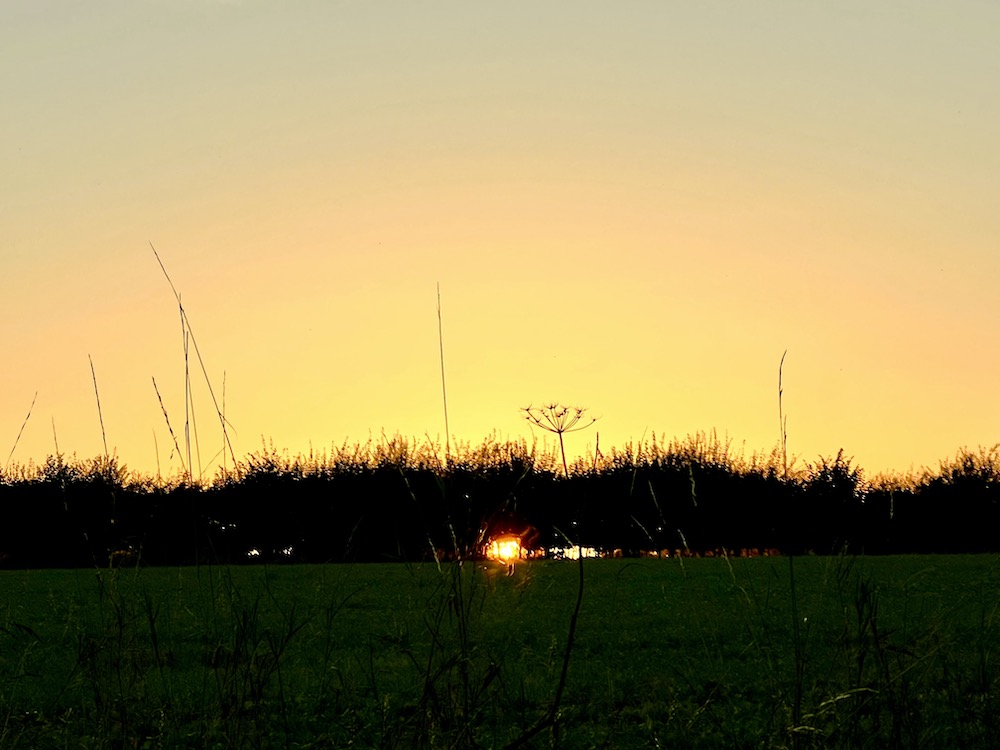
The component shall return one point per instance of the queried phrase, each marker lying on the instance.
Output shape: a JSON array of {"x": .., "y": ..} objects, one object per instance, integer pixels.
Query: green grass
[{"x": 766, "y": 652}]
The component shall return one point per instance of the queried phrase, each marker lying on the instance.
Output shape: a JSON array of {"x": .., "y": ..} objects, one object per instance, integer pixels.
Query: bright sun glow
[{"x": 504, "y": 548}]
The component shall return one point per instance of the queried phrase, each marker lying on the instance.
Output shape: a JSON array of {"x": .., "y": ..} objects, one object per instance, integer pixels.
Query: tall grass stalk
[
  {"x": 782, "y": 418},
  {"x": 173, "y": 436},
  {"x": 100, "y": 413},
  {"x": 156, "y": 450},
  {"x": 444, "y": 390},
  {"x": 19, "y": 432},
  {"x": 190, "y": 342},
  {"x": 225, "y": 472}
]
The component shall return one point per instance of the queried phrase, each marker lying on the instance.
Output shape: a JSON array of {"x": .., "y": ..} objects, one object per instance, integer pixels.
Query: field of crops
[{"x": 765, "y": 652}]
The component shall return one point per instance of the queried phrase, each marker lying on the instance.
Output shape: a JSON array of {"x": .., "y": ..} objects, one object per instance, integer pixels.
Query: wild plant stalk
[
  {"x": 444, "y": 391},
  {"x": 156, "y": 449},
  {"x": 225, "y": 473},
  {"x": 18, "y": 438},
  {"x": 100, "y": 413},
  {"x": 663, "y": 523},
  {"x": 550, "y": 720},
  {"x": 189, "y": 342},
  {"x": 189, "y": 417},
  {"x": 107, "y": 469},
  {"x": 177, "y": 447},
  {"x": 782, "y": 420},
  {"x": 454, "y": 691},
  {"x": 559, "y": 420}
]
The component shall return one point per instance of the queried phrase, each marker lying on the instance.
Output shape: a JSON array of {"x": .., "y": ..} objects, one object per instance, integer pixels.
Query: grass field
[{"x": 696, "y": 653}]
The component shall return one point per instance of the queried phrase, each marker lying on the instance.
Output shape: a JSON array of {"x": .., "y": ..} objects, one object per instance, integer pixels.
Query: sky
[{"x": 632, "y": 207}]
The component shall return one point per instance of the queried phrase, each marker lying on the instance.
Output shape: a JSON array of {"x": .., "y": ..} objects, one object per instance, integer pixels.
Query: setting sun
[{"x": 504, "y": 549}]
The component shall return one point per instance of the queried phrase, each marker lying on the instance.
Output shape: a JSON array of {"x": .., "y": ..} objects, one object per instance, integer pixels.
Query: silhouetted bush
[{"x": 395, "y": 499}]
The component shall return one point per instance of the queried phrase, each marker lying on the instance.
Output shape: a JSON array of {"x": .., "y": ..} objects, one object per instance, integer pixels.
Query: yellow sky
[{"x": 634, "y": 209}]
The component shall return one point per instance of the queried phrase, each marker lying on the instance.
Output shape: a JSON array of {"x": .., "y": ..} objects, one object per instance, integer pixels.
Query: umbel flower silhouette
[{"x": 560, "y": 420}]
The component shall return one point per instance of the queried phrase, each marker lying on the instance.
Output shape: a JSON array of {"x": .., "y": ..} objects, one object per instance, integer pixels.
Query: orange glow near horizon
[{"x": 505, "y": 549}]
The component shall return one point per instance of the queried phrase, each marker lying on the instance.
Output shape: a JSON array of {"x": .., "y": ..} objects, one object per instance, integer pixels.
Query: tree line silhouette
[{"x": 398, "y": 500}]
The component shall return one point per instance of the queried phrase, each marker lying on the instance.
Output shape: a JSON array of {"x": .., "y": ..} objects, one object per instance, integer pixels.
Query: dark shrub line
[{"x": 396, "y": 499}]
